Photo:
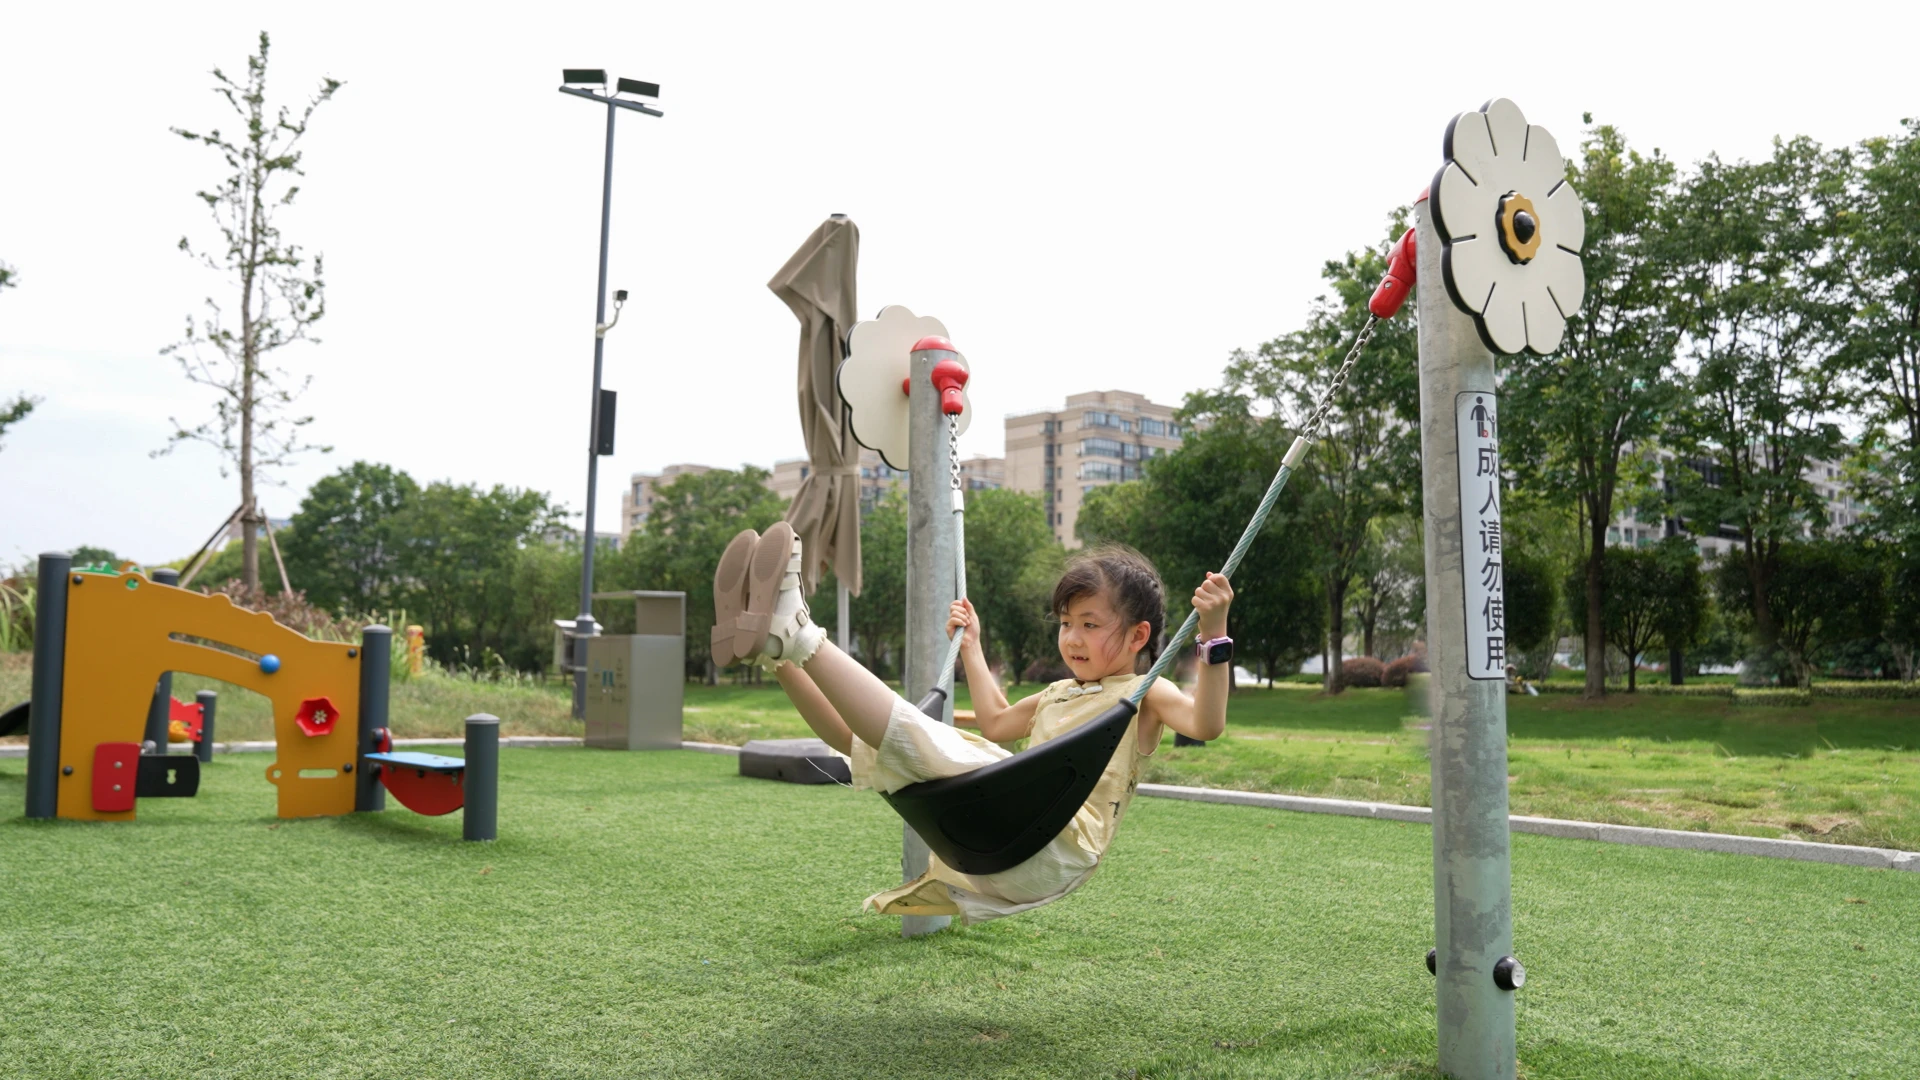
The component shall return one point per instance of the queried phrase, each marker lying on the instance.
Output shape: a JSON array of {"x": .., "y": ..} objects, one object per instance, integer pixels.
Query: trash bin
[{"x": 636, "y": 683}]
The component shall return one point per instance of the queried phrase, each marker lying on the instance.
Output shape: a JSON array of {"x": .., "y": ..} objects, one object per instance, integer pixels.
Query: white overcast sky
[{"x": 1090, "y": 196}]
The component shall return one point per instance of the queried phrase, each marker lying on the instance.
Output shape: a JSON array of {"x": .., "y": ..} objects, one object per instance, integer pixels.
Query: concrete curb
[
  {"x": 1723, "y": 843},
  {"x": 1802, "y": 850}
]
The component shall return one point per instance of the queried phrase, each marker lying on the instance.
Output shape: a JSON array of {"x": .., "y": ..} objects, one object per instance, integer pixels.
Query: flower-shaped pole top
[
  {"x": 878, "y": 364},
  {"x": 1513, "y": 229}
]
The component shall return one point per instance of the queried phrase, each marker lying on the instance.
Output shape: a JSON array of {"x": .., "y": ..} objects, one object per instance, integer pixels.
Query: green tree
[
  {"x": 1191, "y": 508},
  {"x": 1759, "y": 297},
  {"x": 1570, "y": 418},
  {"x": 1880, "y": 243},
  {"x": 1007, "y": 532},
  {"x": 1823, "y": 594},
  {"x": 1653, "y": 593},
  {"x": 688, "y": 527},
  {"x": 1683, "y": 610},
  {"x": 16, "y": 409},
  {"x": 281, "y": 294},
  {"x": 459, "y": 547},
  {"x": 342, "y": 549},
  {"x": 1366, "y": 462},
  {"x": 1531, "y": 604},
  {"x": 1903, "y": 607},
  {"x": 878, "y": 617},
  {"x": 1390, "y": 595}
]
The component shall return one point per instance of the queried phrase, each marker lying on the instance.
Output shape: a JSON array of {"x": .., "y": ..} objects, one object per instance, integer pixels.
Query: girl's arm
[
  {"x": 1204, "y": 715},
  {"x": 999, "y": 721}
]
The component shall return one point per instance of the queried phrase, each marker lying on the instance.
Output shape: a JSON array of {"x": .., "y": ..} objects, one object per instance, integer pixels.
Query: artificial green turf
[{"x": 654, "y": 915}]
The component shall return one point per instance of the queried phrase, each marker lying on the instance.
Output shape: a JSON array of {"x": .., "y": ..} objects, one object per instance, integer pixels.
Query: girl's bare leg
[
  {"x": 815, "y": 709},
  {"x": 863, "y": 702}
]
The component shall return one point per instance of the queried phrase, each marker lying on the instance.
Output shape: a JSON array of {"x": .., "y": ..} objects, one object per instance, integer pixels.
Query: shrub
[
  {"x": 1772, "y": 697},
  {"x": 1867, "y": 690},
  {"x": 1396, "y": 673},
  {"x": 1362, "y": 671},
  {"x": 1046, "y": 671}
]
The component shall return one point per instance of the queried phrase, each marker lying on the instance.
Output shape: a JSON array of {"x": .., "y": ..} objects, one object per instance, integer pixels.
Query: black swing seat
[{"x": 998, "y": 817}]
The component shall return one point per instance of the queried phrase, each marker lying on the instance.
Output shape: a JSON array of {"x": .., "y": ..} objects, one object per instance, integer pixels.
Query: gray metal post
[
  {"x": 479, "y": 818},
  {"x": 844, "y": 637},
  {"x": 160, "y": 711},
  {"x": 930, "y": 584},
  {"x": 376, "y": 672},
  {"x": 209, "y": 703},
  {"x": 584, "y": 625},
  {"x": 1473, "y": 917},
  {"x": 49, "y": 676}
]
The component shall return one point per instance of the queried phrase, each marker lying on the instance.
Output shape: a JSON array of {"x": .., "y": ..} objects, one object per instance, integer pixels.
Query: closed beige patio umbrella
[{"x": 818, "y": 284}]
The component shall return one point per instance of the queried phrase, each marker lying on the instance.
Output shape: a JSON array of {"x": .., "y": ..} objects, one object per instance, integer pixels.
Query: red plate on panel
[{"x": 116, "y": 767}]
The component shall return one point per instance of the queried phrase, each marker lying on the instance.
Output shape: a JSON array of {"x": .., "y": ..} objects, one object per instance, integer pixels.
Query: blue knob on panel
[{"x": 269, "y": 663}]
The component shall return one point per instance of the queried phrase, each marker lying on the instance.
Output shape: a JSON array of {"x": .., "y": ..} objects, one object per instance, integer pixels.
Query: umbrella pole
[{"x": 845, "y": 633}]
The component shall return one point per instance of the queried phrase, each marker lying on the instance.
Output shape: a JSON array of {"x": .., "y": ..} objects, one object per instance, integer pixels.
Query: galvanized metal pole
[
  {"x": 583, "y": 626},
  {"x": 1473, "y": 918},
  {"x": 930, "y": 583},
  {"x": 160, "y": 710},
  {"x": 479, "y": 818},
  {"x": 376, "y": 672},
  {"x": 844, "y": 636},
  {"x": 49, "y": 678},
  {"x": 209, "y": 704}
]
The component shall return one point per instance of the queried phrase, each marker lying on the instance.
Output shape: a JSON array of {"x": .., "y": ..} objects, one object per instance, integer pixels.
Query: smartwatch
[{"x": 1217, "y": 651}]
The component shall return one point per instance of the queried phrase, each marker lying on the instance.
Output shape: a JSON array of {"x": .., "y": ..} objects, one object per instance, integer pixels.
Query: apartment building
[
  {"x": 1098, "y": 438},
  {"x": 637, "y": 501},
  {"x": 1842, "y": 504}
]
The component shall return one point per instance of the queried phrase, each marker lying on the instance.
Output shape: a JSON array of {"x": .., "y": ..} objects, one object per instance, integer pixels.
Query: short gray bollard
[
  {"x": 479, "y": 819},
  {"x": 160, "y": 712},
  {"x": 49, "y": 669},
  {"x": 204, "y": 748}
]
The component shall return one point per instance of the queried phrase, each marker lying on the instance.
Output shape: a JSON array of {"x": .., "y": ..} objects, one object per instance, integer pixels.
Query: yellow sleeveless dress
[{"x": 916, "y": 749}]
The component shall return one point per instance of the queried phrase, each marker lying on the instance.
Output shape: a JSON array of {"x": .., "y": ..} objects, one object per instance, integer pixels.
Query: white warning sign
[{"x": 1477, "y": 428}]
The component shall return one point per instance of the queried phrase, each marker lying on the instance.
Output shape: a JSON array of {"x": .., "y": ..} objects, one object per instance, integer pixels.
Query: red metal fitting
[
  {"x": 933, "y": 341},
  {"x": 949, "y": 378},
  {"x": 1399, "y": 280}
]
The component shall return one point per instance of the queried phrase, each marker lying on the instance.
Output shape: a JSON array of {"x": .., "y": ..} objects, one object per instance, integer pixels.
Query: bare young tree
[
  {"x": 16, "y": 409},
  {"x": 281, "y": 294}
]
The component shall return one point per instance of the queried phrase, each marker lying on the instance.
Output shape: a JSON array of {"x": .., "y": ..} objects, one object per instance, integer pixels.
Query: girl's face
[{"x": 1095, "y": 641}]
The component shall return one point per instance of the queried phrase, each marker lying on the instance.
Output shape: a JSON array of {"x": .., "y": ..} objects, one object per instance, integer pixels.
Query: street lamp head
[
  {"x": 638, "y": 88},
  {"x": 619, "y": 296},
  {"x": 584, "y": 76}
]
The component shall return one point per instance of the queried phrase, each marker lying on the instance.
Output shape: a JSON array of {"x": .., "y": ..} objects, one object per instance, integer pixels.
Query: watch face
[{"x": 1220, "y": 652}]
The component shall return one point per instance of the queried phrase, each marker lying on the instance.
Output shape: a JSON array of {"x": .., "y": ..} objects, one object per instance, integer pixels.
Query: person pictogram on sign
[{"x": 1482, "y": 419}]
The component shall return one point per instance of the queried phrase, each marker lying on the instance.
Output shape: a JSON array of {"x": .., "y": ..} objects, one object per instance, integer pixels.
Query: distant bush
[
  {"x": 1046, "y": 671},
  {"x": 1363, "y": 671},
  {"x": 1772, "y": 697},
  {"x": 1396, "y": 673},
  {"x": 1867, "y": 690}
]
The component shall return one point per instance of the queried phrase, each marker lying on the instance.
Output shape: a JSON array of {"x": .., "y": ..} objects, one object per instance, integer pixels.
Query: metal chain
[
  {"x": 1317, "y": 419},
  {"x": 953, "y": 448}
]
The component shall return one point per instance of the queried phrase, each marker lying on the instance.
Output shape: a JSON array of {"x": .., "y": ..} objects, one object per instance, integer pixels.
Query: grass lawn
[
  {"x": 1842, "y": 771},
  {"x": 654, "y": 915},
  {"x": 1836, "y": 770}
]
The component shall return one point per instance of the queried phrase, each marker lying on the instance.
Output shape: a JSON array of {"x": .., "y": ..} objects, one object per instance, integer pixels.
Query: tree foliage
[
  {"x": 690, "y": 524},
  {"x": 1571, "y": 417},
  {"x": 1366, "y": 462},
  {"x": 343, "y": 549},
  {"x": 1011, "y": 553},
  {"x": 1823, "y": 593},
  {"x": 1764, "y": 314},
  {"x": 1651, "y": 592},
  {"x": 14, "y": 409},
  {"x": 281, "y": 293},
  {"x": 1190, "y": 509}
]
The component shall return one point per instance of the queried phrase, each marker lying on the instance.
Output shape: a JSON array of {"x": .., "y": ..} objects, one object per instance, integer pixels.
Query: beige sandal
[
  {"x": 776, "y": 627},
  {"x": 730, "y": 595}
]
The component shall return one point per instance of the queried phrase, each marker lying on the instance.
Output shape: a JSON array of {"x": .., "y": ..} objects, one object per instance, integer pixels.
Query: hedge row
[{"x": 1756, "y": 696}]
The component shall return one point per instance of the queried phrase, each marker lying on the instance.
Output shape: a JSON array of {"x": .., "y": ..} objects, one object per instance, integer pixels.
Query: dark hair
[{"x": 1128, "y": 579}]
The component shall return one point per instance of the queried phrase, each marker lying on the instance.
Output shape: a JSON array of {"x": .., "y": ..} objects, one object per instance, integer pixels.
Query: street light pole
[{"x": 583, "y": 627}]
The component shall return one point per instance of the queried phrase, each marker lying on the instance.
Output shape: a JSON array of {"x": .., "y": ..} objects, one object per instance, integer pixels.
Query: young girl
[{"x": 1110, "y": 612}]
